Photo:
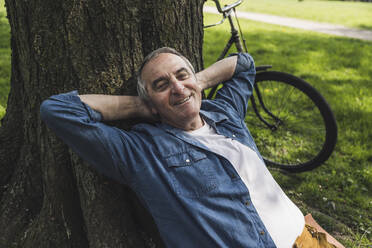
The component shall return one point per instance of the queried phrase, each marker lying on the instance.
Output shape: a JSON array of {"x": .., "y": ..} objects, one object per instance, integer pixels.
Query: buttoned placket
[{"x": 246, "y": 201}]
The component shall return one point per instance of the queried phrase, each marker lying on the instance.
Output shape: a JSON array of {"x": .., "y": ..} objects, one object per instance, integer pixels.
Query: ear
[
  {"x": 153, "y": 110},
  {"x": 151, "y": 107}
]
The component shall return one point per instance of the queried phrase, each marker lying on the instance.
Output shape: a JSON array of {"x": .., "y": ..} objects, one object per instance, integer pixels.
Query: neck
[{"x": 191, "y": 125}]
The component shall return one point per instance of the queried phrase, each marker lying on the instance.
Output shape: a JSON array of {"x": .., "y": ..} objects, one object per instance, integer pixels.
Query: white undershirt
[{"x": 281, "y": 217}]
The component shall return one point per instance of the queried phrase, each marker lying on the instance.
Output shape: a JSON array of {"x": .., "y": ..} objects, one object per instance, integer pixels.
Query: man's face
[{"x": 173, "y": 90}]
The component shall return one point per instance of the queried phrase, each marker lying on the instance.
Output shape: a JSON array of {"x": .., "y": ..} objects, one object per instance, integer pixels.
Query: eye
[
  {"x": 183, "y": 75},
  {"x": 161, "y": 85}
]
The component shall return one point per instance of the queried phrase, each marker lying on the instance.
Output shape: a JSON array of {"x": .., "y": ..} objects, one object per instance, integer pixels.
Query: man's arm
[
  {"x": 76, "y": 119},
  {"x": 238, "y": 89},
  {"x": 217, "y": 73},
  {"x": 117, "y": 107},
  {"x": 125, "y": 107}
]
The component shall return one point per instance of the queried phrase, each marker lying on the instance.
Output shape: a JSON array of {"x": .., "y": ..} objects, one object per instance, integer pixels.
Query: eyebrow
[
  {"x": 181, "y": 70},
  {"x": 156, "y": 81}
]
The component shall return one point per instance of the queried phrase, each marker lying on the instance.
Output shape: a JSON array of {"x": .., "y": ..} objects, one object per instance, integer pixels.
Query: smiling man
[
  {"x": 172, "y": 91},
  {"x": 197, "y": 168}
]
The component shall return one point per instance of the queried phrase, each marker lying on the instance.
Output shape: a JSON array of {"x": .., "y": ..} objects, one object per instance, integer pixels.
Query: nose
[{"x": 176, "y": 86}]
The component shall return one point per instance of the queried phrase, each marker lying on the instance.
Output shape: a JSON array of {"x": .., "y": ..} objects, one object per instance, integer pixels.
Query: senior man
[{"x": 197, "y": 168}]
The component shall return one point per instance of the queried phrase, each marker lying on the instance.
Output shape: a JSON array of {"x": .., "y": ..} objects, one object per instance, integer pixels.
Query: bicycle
[{"x": 282, "y": 103}]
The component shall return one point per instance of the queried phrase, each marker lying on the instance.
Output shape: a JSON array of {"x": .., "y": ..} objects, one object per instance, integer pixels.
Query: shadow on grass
[{"x": 368, "y": 27}]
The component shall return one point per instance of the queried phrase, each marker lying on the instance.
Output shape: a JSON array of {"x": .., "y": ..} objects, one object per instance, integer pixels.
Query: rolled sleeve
[
  {"x": 56, "y": 104},
  {"x": 237, "y": 91}
]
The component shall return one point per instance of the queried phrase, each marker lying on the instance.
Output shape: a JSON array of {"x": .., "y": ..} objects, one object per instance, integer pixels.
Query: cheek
[{"x": 162, "y": 105}]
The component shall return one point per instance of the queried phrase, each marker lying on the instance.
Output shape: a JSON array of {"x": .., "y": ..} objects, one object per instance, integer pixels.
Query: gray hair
[{"x": 141, "y": 84}]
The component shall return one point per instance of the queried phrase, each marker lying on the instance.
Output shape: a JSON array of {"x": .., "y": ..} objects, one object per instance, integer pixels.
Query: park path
[{"x": 302, "y": 24}]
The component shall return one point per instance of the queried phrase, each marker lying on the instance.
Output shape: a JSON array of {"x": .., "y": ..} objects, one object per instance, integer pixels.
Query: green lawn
[
  {"x": 338, "y": 192},
  {"x": 351, "y": 14}
]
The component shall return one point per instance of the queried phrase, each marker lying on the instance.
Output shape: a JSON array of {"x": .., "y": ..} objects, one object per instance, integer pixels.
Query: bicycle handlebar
[
  {"x": 226, "y": 11},
  {"x": 227, "y": 7}
]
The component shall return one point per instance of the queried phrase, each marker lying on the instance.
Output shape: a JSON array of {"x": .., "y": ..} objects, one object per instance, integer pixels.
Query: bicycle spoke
[
  {"x": 297, "y": 132},
  {"x": 283, "y": 100}
]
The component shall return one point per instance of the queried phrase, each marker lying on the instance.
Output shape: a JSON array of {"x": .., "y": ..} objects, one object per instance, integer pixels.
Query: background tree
[{"x": 48, "y": 196}]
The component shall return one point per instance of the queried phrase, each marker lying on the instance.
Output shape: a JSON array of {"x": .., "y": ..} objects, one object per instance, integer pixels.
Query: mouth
[{"x": 182, "y": 101}]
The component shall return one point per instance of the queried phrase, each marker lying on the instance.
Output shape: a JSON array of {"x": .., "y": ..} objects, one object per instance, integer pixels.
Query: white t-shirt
[{"x": 281, "y": 217}]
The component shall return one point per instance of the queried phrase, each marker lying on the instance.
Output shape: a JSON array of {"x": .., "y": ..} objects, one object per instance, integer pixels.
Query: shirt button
[
  {"x": 262, "y": 232},
  {"x": 234, "y": 135},
  {"x": 247, "y": 203},
  {"x": 187, "y": 160}
]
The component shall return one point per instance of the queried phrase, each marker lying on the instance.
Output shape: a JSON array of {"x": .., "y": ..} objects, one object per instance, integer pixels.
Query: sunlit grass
[
  {"x": 341, "y": 69},
  {"x": 347, "y": 13},
  {"x": 4, "y": 59}
]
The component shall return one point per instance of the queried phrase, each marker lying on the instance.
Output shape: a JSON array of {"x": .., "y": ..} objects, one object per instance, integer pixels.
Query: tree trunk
[{"x": 48, "y": 196}]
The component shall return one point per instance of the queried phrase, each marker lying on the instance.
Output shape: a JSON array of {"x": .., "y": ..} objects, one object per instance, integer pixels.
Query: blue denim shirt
[{"x": 196, "y": 197}]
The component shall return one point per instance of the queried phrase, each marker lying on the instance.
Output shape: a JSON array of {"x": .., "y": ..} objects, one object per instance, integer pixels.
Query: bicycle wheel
[{"x": 293, "y": 127}]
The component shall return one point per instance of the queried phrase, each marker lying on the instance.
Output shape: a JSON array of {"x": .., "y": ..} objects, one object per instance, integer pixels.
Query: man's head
[
  {"x": 167, "y": 82},
  {"x": 141, "y": 86}
]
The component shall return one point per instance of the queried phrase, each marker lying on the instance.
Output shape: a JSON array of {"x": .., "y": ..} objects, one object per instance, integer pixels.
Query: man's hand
[{"x": 118, "y": 107}]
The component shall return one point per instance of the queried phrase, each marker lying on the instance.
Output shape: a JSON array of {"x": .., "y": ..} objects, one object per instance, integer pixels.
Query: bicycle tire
[{"x": 295, "y": 146}]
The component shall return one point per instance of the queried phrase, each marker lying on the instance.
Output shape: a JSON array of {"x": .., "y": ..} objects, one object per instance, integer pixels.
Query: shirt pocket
[{"x": 191, "y": 173}]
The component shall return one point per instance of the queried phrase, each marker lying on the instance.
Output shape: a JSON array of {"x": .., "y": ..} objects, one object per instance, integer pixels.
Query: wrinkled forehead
[{"x": 162, "y": 65}]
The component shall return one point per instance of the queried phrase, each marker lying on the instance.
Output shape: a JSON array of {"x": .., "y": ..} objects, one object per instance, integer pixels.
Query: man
[{"x": 197, "y": 169}]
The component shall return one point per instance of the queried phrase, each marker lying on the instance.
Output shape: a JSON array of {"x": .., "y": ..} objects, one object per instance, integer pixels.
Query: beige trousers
[{"x": 314, "y": 236}]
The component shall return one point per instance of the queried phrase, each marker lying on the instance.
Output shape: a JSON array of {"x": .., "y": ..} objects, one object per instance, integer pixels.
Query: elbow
[
  {"x": 245, "y": 64},
  {"x": 249, "y": 62},
  {"x": 46, "y": 110}
]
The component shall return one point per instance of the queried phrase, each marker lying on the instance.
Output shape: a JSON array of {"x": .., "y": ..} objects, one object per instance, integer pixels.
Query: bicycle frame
[{"x": 235, "y": 39}]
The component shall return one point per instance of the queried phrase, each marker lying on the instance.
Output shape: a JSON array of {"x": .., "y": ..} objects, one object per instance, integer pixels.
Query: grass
[
  {"x": 339, "y": 192},
  {"x": 4, "y": 59},
  {"x": 350, "y": 14}
]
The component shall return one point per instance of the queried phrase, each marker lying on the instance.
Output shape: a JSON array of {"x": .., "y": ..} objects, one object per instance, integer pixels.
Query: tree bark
[{"x": 48, "y": 196}]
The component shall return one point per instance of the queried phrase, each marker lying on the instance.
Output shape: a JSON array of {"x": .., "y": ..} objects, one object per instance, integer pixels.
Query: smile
[{"x": 183, "y": 100}]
